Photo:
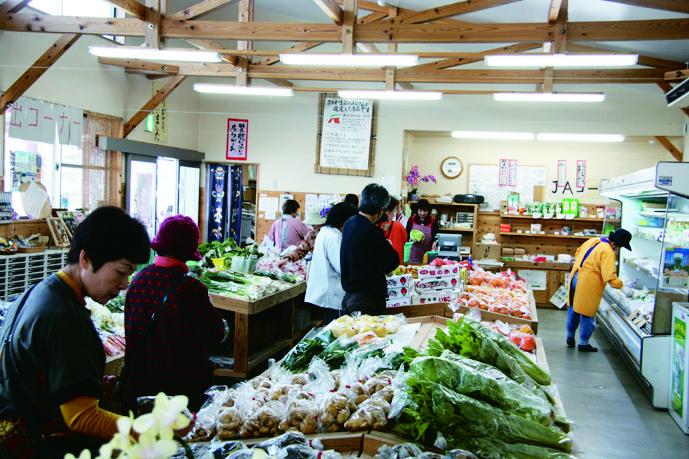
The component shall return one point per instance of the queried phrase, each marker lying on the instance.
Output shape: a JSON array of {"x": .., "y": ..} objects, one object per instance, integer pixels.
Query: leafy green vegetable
[
  {"x": 416, "y": 236},
  {"x": 299, "y": 357},
  {"x": 451, "y": 371},
  {"x": 491, "y": 448}
]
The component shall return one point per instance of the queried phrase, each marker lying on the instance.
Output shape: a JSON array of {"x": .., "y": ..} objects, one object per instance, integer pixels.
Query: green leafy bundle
[{"x": 299, "y": 357}]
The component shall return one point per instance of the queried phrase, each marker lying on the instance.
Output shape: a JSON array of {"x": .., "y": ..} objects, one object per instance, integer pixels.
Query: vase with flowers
[{"x": 413, "y": 178}]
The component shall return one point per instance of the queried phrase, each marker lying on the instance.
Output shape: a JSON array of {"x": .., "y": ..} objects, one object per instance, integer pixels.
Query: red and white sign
[{"x": 237, "y": 139}]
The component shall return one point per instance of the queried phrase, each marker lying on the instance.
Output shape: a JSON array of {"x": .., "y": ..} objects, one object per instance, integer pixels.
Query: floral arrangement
[
  {"x": 324, "y": 211},
  {"x": 415, "y": 176},
  {"x": 156, "y": 432}
]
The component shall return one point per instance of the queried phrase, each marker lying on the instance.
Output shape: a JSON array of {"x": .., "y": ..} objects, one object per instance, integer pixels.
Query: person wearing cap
[
  {"x": 170, "y": 323},
  {"x": 594, "y": 266},
  {"x": 423, "y": 221},
  {"x": 288, "y": 230},
  {"x": 316, "y": 220},
  {"x": 52, "y": 360}
]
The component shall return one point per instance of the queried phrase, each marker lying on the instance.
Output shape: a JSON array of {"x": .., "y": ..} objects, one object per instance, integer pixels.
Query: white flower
[{"x": 85, "y": 454}]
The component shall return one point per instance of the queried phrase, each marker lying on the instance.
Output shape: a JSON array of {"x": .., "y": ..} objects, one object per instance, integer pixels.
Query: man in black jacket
[{"x": 366, "y": 256}]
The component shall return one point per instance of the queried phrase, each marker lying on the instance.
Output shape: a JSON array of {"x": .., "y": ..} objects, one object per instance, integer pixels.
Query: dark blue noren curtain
[
  {"x": 236, "y": 193},
  {"x": 217, "y": 202}
]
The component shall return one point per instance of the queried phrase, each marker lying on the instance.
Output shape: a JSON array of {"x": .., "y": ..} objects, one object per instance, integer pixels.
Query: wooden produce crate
[
  {"x": 421, "y": 310},
  {"x": 494, "y": 316},
  {"x": 262, "y": 328}
]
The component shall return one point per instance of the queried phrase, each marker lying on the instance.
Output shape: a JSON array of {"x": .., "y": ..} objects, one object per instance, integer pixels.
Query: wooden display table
[
  {"x": 262, "y": 328},
  {"x": 555, "y": 276}
]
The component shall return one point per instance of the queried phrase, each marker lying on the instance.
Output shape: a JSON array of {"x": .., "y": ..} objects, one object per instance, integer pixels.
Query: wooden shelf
[
  {"x": 433, "y": 202},
  {"x": 558, "y": 236},
  {"x": 522, "y": 264},
  {"x": 452, "y": 230},
  {"x": 529, "y": 217},
  {"x": 254, "y": 307}
]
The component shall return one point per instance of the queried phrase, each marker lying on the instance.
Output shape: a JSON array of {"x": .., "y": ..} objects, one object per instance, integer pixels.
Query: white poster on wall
[
  {"x": 346, "y": 133},
  {"x": 535, "y": 279}
]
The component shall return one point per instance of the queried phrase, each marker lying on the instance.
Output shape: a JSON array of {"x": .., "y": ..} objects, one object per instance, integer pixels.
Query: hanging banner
[
  {"x": 503, "y": 172},
  {"x": 581, "y": 174},
  {"x": 236, "y": 192},
  {"x": 159, "y": 118},
  {"x": 512, "y": 180},
  {"x": 237, "y": 139},
  {"x": 40, "y": 121},
  {"x": 217, "y": 209},
  {"x": 346, "y": 134},
  {"x": 561, "y": 172}
]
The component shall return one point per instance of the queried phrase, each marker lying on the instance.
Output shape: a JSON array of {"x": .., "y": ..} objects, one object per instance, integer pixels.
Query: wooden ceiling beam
[
  {"x": 132, "y": 64},
  {"x": 554, "y": 10},
  {"x": 246, "y": 14},
  {"x": 152, "y": 24},
  {"x": 199, "y": 9},
  {"x": 13, "y": 6},
  {"x": 648, "y": 61},
  {"x": 368, "y": 6},
  {"x": 666, "y": 87},
  {"x": 677, "y": 75},
  {"x": 381, "y": 32},
  {"x": 331, "y": 9},
  {"x": 159, "y": 96},
  {"x": 474, "y": 57},
  {"x": 454, "y": 9},
  {"x": 136, "y": 9},
  {"x": 678, "y": 6},
  {"x": 214, "y": 45},
  {"x": 280, "y": 83},
  {"x": 348, "y": 21},
  {"x": 147, "y": 73},
  {"x": 674, "y": 151},
  {"x": 38, "y": 68}
]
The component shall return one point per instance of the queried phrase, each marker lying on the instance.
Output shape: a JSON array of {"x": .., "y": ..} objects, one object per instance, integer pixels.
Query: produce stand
[
  {"x": 493, "y": 316},
  {"x": 555, "y": 276},
  {"x": 262, "y": 328}
]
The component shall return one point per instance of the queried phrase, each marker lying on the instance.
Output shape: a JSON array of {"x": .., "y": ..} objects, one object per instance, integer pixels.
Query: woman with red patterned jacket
[{"x": 170, "y": 323}]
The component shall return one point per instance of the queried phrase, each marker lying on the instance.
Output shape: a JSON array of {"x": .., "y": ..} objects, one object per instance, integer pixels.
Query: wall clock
[{"x": 451, "y": 167}]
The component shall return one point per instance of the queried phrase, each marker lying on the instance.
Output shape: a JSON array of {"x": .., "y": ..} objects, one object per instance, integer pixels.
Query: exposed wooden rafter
[
  {"x": 331, "y": 9},
  {"x": 554, "y": 10},
  {"x": 199, "y": 9},
  {"x": 679, "y": 6},
  {"x": 474, "y": 57},
  {"x": 133, "y": 7},
  {"x": 38, "y": 68},
  {"x": 149, "y": 106},
  {"x": 152, "y": 25},
  {"x": 133, "y": 64},
  {"x": 246, "y": 15},
  {"x": 666, "y": 87},
  {"x": 379, "y": 32},
  {"x": 677, "y": 75},
  {"x": 674, "y": 151},
  {"x": 13, "y": 6},
  {"x": 210, "y": 44},
  {"x": 454, "y": 9},
  {"x": 648, "y": 61},
  {"x": 348, "y": 21}
]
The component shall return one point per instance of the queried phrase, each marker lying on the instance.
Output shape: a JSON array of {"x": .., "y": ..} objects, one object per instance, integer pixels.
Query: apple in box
[
  {"x": 398, "y": 292},
  {"x": 402, "y": 280}
]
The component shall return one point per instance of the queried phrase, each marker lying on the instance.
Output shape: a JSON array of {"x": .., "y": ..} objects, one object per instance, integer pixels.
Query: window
[{"x": 84, "y": 8}]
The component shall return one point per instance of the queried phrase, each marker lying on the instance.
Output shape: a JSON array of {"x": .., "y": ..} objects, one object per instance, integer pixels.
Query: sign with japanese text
[
  {"x": 237, "y": 139},
  {"x": 159, "y": 118},
  {"x": 40, "y": 121},
  {"x": 581, "y": 174},
  {"x": 346, "y": 133},
  {"x": 503, "y": 172},
  {"x": 512, "y": 176}
]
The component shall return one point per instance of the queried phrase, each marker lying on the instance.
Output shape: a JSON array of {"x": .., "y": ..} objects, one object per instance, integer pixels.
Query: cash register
[{"x": 450, "y": 246}]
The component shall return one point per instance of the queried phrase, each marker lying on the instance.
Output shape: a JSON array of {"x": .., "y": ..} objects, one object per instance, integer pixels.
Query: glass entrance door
[
  {"x": 189, "y": 183},
  {"x": 141, "y": 190}
]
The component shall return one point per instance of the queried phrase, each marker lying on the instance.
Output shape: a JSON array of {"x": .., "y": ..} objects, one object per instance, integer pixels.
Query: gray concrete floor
[{"x": 612, "y": 417}]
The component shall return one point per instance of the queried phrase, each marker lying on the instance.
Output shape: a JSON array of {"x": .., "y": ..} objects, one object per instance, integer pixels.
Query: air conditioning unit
[{"x": 679, "y": 95}]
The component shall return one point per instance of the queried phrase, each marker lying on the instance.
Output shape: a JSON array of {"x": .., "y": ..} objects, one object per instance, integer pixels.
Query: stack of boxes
[
  {"x": 434, "y": 285},
  {"x": 400, "y": 289}
]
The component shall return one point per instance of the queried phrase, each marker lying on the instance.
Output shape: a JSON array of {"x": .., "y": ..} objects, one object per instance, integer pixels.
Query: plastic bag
[
  {"x": 371, "y": 414},
  {"x": 336, "y": 409},
  {"x": 204, "y": 428},
  {"x": 264, "y": 421}
]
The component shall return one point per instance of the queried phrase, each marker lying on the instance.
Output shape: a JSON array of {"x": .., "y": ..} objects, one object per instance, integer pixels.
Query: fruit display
[
  {"x": 504, "y": 279},
  {"x": 499, "y": 300}
]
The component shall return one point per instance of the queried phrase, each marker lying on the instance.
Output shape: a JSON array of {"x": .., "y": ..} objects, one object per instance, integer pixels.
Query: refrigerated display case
[
  {"x": 679, "y": 364},
  {"x": 653, "y": 206}
]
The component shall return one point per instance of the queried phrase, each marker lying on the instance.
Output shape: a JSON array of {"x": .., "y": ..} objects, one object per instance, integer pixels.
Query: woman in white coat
[{"x": 323, "y": 288}]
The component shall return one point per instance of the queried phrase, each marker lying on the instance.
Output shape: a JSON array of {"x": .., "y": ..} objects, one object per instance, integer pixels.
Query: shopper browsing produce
[
  {"x": 393, "y": 229},
  {"x": 324, "y": 285},
  {"x": 366, "y": 256},
  {"x": 288, "y": 230},
  {"x": 421, "y": 228},
  {"x": 52, "y": 360},
  {"x": 170, "y": 322},
  {"x": 352, "y": 200},
  {"x": 594, "y": 267},
  {"x": 316, "y": 219}
]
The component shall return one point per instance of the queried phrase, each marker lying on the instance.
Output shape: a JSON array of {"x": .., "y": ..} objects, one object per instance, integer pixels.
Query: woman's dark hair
[
  {"x": 352, "y": 199},
  {"x": 339, "y": 214},
  {"x": 374, "y": 199},
  {"x": 290, "y": 206},
  {"x": 109, "y": 234},
  {"x": 394, "y": 202},
  {"x": 423, "y": 204}
]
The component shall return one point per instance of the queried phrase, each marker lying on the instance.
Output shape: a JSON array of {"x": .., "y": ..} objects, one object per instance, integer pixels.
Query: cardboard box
[
  {"x": 397, "y": 302},
  {"x": 507, "y": 252},
  {"x": 402, "y": 280},
  {"x": 399, "y": 292},
  {"x": 436, "y": 297},
  {"x": 429, "y": 284},
  {"x": 491, "y": 251},
  {"x": 439, "y": 271},
  {"x": 519, "y": 251}
]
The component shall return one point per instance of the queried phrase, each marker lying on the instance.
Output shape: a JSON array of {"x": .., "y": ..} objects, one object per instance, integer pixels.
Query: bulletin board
[
  {"x": 484, "y": 180},
  {"x": 346, "y": 141}
]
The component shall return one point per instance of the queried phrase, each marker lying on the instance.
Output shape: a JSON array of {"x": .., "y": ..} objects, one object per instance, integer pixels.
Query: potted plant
[{"x": 413, "y": 178}]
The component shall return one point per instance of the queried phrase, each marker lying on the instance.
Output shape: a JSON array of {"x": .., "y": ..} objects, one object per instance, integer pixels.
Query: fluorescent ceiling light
[
  {"x": 209, "y": 88},
  {"x": 152, "y": 54},
  {"x": 390, "y": 95},
  {"x": 582, "y": 137},
  {"x": 560, "y": 60},
  {"x": 548, "y": 97},
  {"x": 492, "y": 135},
  {"x": 350, "y": 60}
]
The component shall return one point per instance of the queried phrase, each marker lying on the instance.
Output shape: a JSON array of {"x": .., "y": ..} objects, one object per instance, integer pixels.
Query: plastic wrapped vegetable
[
  {"x": 336, "y": 410},
  {"x": 452, "y": 372},
  {"x": 410, "y": 450},
  {"x": 299, "y": 357},
  {"x": 416, "y": 236},
  {"x": 490, "y": 448},
  {"x": 372, "y": 414},
  {"x": 302, "y": 417}
]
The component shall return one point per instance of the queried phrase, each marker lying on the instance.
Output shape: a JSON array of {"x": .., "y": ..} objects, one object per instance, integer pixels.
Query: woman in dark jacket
[{"x": 170, "y": 323}]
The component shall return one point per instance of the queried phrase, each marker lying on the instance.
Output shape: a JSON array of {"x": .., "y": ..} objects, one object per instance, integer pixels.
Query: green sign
[{"x": 678, "y": 370}]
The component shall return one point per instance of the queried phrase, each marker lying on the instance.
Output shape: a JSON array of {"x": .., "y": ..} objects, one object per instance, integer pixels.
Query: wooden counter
[{"x": 262, "y": 328}]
